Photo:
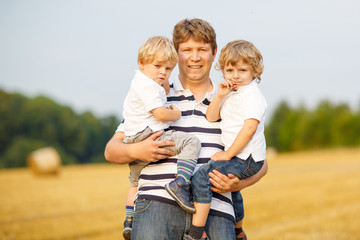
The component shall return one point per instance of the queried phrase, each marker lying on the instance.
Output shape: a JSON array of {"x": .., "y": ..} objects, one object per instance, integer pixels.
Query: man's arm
[
  {"x": 148, "y": 150},
  {"x": 222, "y": 183}
]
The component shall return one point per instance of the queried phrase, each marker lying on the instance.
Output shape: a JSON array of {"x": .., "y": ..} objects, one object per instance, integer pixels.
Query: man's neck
[{"x": 198, "y": 87}]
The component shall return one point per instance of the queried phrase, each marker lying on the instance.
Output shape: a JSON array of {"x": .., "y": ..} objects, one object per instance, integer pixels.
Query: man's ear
[{"x": 214, "y": 55}]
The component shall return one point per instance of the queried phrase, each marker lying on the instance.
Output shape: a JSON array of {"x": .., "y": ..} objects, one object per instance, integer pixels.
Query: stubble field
[{"x": 307, "y": 195}]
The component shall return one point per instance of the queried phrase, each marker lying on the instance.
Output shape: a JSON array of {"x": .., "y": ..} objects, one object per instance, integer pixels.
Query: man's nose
[{"x": 195, "y": 55}]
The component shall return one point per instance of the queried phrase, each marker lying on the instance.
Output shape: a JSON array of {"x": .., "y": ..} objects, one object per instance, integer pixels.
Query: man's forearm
[{"x": 117, "y": 151}]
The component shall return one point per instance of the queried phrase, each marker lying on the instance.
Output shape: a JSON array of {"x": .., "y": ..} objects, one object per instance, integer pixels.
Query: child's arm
[
  {"x": 166, "y": 86},
  {"x": 213, "y": 111},
  {"x": 164, "y": 114},
  {"x": 242, "y": 139}
]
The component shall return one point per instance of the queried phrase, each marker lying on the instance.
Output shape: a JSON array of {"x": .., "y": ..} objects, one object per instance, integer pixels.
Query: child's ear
[{"x": 141, "y": 65}]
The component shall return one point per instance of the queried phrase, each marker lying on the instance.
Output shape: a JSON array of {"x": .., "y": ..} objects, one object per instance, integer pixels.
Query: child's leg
[
  {"x": 185, "y": 169},
  {"x": 130, "y": 201},
  {"x": 188, "y": 149},
  {"x": 239, "y": 232},
  {"x": 199, "y": 220},
  {"x": 202, "y": 201}
]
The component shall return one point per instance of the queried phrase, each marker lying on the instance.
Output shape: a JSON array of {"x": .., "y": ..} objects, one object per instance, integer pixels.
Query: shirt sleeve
[
  {"x": 254, "y": 107},
  {"x": 151, "y": 94}
]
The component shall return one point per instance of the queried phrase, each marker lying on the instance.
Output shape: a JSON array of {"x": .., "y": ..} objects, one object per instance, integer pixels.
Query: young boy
[
  {"x": 241, "y": 107},
  {"x": 145, "y": 113}
]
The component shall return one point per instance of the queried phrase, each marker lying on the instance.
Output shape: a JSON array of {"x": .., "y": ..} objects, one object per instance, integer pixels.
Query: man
[{"x": 157, "y": 214}]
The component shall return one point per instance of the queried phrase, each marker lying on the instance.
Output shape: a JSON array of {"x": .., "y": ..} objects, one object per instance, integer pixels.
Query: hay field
[{"x": 308, "y": 195}]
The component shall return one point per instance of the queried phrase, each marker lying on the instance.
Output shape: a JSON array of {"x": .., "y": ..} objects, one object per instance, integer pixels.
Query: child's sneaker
[
  {"x": 180, "y": 191},
  {"x": 187, "y": 237},
  {"x": 242, "y": 236},
  {"x": 127, "y": 228}
]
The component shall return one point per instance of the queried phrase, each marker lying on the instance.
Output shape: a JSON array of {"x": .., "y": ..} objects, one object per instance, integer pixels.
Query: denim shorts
[{"x": 201, "y": 184}]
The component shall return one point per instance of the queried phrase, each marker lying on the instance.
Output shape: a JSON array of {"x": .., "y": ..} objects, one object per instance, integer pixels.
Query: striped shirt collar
[{"x": 208, "y": 97}]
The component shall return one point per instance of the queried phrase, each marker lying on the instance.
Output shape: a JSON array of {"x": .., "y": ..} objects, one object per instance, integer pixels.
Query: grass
[{"x": 306, "y": 195}]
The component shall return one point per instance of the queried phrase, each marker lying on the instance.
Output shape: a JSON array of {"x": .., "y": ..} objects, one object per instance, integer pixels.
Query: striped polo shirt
[{"x": 155, "y": 175}]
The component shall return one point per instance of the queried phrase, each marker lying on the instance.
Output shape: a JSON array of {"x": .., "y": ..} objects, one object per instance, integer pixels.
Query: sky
[{"x": 83, "y": 54}]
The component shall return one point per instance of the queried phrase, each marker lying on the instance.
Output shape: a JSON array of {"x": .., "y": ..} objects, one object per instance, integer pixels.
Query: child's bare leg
[
  {"x": 240, "y": 234},
  {"x": 199, "y": 220},
  {"x": 130, "y": 196},
  {"x": 201, "y": 214},
  {"x": 130, "y": 202}
]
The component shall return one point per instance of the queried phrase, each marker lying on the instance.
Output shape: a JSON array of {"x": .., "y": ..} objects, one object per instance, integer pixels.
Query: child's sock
[
  {"x": 185, "y": 168},
  {"x": 129, "y": 211},
  {"x": 238, "y": 231},
  {"x": 196, "y": 232}
]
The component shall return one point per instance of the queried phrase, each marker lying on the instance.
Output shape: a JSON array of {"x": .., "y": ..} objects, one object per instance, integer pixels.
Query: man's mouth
[{"x": 195, "y": 67}]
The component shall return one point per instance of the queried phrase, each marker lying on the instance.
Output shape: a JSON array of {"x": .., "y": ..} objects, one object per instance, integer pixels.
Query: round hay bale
[{"x": 44, "y": 161}]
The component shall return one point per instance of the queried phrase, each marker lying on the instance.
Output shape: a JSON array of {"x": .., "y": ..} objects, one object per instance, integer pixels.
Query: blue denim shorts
[{"x": 241, "y": 168}]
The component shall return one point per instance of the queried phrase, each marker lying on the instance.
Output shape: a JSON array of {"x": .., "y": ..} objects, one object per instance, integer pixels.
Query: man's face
[{"x": 195, "y": 60}]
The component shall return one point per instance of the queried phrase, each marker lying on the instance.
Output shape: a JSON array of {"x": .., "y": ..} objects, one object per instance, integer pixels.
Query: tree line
[
  {"x": 328, "y": 125},
  {"x": 27, "y": 124}
]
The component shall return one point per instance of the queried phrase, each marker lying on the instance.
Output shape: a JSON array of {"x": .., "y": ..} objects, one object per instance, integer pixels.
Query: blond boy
[
  {"x": 145, "y": 112},
  {"x": 241, "y": 107}
]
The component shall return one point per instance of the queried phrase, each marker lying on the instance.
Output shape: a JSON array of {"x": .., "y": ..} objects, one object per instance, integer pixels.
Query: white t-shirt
[
  {"x": 144, "y": 96},
  {"x": 245, "y": 103}
]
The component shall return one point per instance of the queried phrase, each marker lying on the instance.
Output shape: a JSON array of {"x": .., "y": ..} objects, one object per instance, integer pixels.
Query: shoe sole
[
  {"x": 184, "y": 207},
  {"x": 127, "y": 233}
]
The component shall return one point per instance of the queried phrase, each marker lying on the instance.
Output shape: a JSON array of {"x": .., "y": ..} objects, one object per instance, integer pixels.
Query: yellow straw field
[{"x": 307, "y": 195}]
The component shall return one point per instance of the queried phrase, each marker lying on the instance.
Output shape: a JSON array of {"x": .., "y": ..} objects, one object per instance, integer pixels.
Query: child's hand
[
  {"x": 176, "y": 111},
  {"x": 224, "y": 88},
  {"x": 221, "y": 156}
]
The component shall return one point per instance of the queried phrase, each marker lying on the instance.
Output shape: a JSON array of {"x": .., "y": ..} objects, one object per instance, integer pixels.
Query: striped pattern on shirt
[{"x": 155, "y": 175}]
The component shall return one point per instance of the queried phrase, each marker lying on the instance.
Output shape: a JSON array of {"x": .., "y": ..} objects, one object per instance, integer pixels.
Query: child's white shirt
[
  {"x": 245, "y": 103},
  {"x": 144, "y": 96}
]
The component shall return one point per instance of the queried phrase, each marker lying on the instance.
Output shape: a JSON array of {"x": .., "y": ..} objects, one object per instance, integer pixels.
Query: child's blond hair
[
  {"x": 241, "y": 50},
  {"x": 157, "y": 46}
]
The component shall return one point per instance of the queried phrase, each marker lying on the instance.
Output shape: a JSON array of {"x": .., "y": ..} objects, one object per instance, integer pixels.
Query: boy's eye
[{"x": 157, "y": 66}]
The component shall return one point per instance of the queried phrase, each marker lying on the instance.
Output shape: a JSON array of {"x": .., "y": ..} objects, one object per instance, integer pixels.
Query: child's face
[
  {"x": 157, "y": 70},
  {"x": 240, "y": 74}
]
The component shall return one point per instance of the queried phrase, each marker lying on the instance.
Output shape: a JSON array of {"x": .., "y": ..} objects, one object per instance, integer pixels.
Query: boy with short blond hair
[
  {"x": 241, "y": 107},
  {"x": 145, "y": 112}
]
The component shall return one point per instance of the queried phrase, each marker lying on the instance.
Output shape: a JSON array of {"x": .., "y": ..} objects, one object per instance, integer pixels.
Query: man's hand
[
  {"x": 222, "y": 183},
  {"x": 150, "y": 150}
]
